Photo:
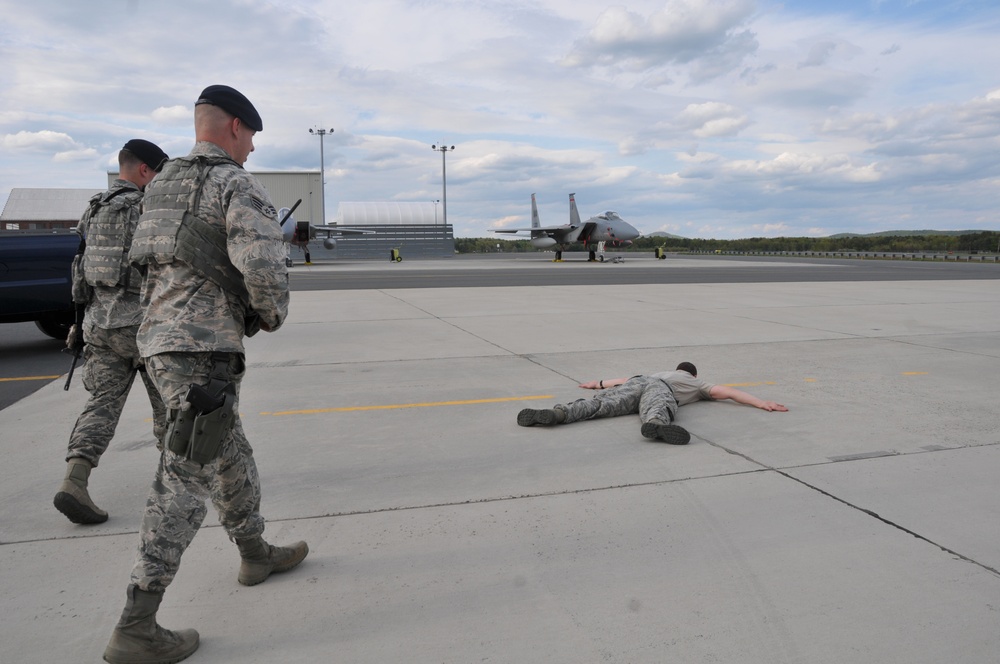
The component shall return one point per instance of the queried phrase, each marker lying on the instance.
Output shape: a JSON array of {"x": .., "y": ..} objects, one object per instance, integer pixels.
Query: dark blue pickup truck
[{"x": 35, "y": 282}]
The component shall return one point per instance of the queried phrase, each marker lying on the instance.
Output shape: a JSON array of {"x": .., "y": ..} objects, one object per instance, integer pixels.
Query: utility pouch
[{"x": 197, "y": 433}]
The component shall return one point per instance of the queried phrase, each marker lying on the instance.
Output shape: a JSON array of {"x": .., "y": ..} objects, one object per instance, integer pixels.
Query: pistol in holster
[{"x": 197, "y": 433}]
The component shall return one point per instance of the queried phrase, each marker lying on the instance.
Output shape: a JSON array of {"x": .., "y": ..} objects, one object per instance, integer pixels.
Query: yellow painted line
[
  {"x": 915, "y": 373},
  {"x": 12, "y": 380},
  {"x": 429, "y": 404}
]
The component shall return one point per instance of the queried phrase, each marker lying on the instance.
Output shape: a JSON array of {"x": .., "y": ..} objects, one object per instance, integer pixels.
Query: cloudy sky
[{"x": 702, "y": 118}]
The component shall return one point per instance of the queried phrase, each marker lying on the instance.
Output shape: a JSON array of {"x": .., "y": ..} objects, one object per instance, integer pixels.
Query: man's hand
[
  {"x": 74, "y": 340},
  {"x": 772, "y": 406},
  {"x": 591, "y": 385}
]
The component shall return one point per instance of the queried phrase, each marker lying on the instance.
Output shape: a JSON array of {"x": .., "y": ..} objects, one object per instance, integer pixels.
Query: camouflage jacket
[
  {"x": 187, "y": 312},
  {"x": 113, "y": 306}
]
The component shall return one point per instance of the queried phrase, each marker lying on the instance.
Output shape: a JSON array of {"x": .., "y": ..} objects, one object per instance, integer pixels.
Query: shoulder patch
[{"x": 264, "y": 207}]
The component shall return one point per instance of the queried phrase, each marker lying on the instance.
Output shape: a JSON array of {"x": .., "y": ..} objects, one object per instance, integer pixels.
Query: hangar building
[
  {"x": 410, "y": 227},
  {"x": 44, "y": 209}
]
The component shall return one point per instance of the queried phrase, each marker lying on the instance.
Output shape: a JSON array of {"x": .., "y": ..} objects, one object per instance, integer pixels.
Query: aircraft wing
[
  {"x": 544, "y": 229},
  {"x": 332, "y": 230}
]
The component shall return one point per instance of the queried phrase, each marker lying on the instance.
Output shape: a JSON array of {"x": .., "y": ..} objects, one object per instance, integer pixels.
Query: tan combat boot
[
  {"x": 73, "y": 499},
  {"x": 137, "y": 638},
  {"x": 261, "y": 559}
]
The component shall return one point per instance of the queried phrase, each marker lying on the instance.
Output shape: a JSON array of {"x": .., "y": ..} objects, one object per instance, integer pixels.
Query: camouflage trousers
[
  {"x": 176, "y": 507},
  {"x": 650, "y": 397},
  {"x": 112, "y": 361}
]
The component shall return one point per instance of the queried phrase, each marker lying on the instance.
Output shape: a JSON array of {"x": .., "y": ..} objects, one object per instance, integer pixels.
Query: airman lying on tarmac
[{"x": 655, "y": 397}]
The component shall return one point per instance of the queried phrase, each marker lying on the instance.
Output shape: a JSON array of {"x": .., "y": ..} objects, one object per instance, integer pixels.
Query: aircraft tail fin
[
  {"x": 574, "y": 216},
  {"x": 535, "y": 223},
  {"x": 287, "y": 222}
]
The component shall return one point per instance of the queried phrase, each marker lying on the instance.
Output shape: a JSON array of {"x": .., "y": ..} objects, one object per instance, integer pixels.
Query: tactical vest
[
  {"x": 169, "y": 229},
  {"x": 105, "y": 259}
]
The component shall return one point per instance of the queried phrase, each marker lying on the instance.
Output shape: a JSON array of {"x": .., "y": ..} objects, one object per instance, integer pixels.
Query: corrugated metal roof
[
  {"x": 351, "y": 213},
  {"x": 46, "y": 204}
]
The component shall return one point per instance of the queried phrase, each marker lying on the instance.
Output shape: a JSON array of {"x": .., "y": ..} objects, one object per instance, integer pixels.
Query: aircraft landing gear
[
  {"x": 308, "y": 257},
  {"x": 558, "y": 258},
  {"x": 593, "y": 257}
]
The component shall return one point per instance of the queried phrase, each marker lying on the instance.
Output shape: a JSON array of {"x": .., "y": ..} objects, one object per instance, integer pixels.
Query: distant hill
[
  {"x": 841, "y": 236},
  {"x": 905, "y": 233},
  {"x": 662, "y": 234}
]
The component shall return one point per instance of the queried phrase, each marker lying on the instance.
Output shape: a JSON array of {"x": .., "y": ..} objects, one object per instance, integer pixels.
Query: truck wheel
[{"x": 54, "y": 329}]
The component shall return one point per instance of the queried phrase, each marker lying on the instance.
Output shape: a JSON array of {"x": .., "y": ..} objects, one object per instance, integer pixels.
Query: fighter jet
[
  {"x": 299, "y": 233},
  {"x": 607, "y": 228}
]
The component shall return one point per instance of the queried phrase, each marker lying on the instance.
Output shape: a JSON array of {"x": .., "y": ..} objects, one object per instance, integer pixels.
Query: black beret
[
  {"x": 150, "y": 153},
  {"x": 233, "y": 102}
]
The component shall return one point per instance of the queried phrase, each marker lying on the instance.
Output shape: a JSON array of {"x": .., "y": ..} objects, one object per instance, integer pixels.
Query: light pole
[
  {"x": 322, "y": 169},
  {"x": 444, "y": 182},
  {"x": 436, "y": 201}
]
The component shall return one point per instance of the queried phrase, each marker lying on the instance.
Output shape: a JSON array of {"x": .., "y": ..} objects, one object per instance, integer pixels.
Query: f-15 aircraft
[
  {"x": 299, "y": 233},
  {"x": 607, "y": 228}
]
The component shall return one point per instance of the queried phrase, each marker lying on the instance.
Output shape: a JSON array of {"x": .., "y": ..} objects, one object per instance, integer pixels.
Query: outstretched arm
[
  {"x": 720, "y": 392},
  {"x": 602, "y": 384}
]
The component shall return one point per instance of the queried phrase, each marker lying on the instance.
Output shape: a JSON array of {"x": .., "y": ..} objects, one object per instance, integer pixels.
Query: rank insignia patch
[{"x": 263, "y": 207}]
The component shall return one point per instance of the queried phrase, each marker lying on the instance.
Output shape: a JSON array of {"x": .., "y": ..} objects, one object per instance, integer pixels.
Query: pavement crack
[
  {"x": 871, "y": 513},
  {"x": 890, "y": 522}
]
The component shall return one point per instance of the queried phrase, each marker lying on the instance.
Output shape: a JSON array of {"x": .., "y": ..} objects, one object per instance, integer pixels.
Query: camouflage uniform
[
  {"x": 176, "y": 508},
  {"x": 654, "y": 397},
  {"x": 110, "y": 324},
  {"x": 651, "y": 397},
  {"x": 188, "y": 317}
]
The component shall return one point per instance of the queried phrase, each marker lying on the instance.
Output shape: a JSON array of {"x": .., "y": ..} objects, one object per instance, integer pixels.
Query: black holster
[{"x": 197, "y": 433}]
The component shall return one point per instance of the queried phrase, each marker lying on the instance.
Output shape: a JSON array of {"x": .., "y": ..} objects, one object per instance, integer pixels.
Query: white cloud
[
  {"x": 173, "y": 115},
  {"x": 724, "y": 118},
  {"x": 71, "y": 156},
  {"x": 770, "y": 229},
  {"x": 38, "y": 141},
  {"x": 789, "y": 166},
  {"x": 705, "y": 32},
  {"x": 819, "y": 54},
  {"x": 712, "y": 119}
]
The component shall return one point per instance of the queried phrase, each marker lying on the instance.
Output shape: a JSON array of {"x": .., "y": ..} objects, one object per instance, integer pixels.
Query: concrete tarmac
[{"x": 860, "y": 526}]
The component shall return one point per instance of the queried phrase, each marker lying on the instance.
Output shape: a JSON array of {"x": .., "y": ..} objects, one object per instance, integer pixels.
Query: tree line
[{"x": 979, "y": 242}]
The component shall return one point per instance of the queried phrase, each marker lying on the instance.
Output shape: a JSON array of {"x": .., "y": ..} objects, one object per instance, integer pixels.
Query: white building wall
[{"x": 286, "y": 187}]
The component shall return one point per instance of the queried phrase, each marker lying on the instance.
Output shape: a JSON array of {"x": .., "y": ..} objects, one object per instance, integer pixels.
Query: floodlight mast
[
  {"x": 322, "y": 169},
  {"x": 444, "y": 181}
]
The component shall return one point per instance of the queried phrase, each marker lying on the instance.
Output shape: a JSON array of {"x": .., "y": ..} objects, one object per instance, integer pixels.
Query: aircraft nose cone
[{"x": 630, "y": 233}]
